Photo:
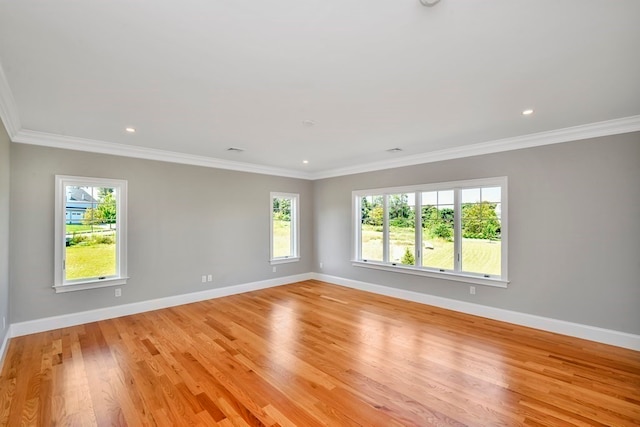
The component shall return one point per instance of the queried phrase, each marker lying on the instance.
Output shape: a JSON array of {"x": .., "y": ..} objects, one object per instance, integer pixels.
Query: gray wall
[
  {"x": 184, "y": 221},
  {"x": 4, "y": 230},
  {"x": 574, "y": 230}
]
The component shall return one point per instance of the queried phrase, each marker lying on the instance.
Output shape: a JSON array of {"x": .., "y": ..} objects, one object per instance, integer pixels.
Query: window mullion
[
  {"x": 457, "y": 230},
  {"x": 385, "y": 229},
  {"x": 418, "y": 226}
]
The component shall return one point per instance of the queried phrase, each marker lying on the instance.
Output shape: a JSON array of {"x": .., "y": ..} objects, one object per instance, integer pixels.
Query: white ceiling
[{"x": 195, "y": 77}]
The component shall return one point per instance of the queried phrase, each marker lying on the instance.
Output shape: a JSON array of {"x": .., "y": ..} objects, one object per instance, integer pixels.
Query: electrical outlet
[
  {"x": 118, "y": 292},
  {"x": 4, "y": 322},
  {"x": 204, "y": 279},
  {"x": 321, "y": 265},
  {"x": 274, "y": 269},
  {"x": 210, "y": 278},
  {"x": 472, "y": 290}
]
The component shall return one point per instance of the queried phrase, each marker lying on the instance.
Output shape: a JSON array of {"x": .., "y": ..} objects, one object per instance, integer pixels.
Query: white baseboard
[
  {"x": 592, "y": 333},
  {"x": 4, "y": 347},
  {"x": 73, "y": 319}
]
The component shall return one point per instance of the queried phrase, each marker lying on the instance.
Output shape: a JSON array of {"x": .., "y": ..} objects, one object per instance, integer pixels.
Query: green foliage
[
  {"x": 408, "y": 258},
  {"x": 442, "y": 231},
  {"x": 88, "y": 239},
  {"x": 376, "y": 216},
  {"x": 107, "y": 208},
  {"x": 480, "y": 221},
  {"x": 371, "y": 210},
  {"x": 104, "y": 213},
  {"x": 77, "y": 239},
  {"x": 282, "y": 209}
]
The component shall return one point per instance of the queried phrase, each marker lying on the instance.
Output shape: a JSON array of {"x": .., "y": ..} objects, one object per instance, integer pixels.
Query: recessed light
[
  {"x": 394, "y": 150},
  {"x": 130, "y": 130},
  {"x": 305, "y": 161},
  {"x": 527, "y": 112},
  {"x": 308, "y": 123}
]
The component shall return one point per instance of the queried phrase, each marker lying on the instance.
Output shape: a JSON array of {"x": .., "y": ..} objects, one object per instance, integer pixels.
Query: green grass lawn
[
  {"x": 478, "y": 256},
  {"x": 91, "y": 261},
  {"x": 281, "y": 238},
  {"x": 77, "y": 228}
]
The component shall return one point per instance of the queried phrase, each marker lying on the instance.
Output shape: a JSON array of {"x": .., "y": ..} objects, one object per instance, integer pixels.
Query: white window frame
[
  {"x": 295, "y": 228},
  {"x": 457, "y": 274},
  {"x": 120, "y": 278}
]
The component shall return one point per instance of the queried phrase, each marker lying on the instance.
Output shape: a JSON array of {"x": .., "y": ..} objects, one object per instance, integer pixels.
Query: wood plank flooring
[{"x": 311, "y": 354}]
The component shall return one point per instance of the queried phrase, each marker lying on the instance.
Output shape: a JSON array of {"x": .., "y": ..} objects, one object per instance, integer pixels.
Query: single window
[
  {"x": 285, "y": 228},
  {"x": 90, "y": 233},
  {"x": 455, "y": 230}
]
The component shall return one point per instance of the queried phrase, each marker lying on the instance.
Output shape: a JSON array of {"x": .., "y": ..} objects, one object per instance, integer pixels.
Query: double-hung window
[
  {"x": 453, "y": 230},
  {"x": 90, "y": 233},
  {"x": 285, "y": 228}
]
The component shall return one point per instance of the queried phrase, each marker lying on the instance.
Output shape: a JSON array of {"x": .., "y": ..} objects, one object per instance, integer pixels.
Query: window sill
[
  {"x": 284, "y": 260},
  {"x": 499, "y": 283},
  {"x": 93, "y": 284}
]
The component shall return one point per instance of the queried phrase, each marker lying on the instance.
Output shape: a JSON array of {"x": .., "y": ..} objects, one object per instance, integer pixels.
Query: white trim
[
  {"x": 8, "y": 113},
  {"x": 416, "y": 271},
  {"x": 94, "y": 146},
  {"x": 73, "y": 319},
  {"x": 592, "y": 333},
  {"x": 5, "y": 346},
  {"x": 61, "y": 284},
  {"x": 574, "y": 133},
  {"x": 294, "y": 213},
  {"x": 457, "y": 273},
  {"x": 8, "y": 107}
]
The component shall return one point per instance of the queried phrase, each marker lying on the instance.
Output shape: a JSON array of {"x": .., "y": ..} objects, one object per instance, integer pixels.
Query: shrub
[
  {"x": 443, "y": 231},
  {"x": 102, "y": 239},
  {"x": 408, "y": 258},
  {"x": 77, "y": 239}
]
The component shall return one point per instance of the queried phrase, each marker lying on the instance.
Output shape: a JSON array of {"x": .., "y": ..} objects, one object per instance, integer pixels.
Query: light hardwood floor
[{"x": 312, "y": 354}]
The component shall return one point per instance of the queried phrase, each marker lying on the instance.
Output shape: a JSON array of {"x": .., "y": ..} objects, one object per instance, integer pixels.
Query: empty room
[{"x": 335, "y": 213}]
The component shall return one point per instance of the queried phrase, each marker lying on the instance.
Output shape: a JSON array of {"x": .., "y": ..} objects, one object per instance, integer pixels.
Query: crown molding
[
  {"x": 574, "y": 133},
  {"x": 11, "y": 121},
  {"x": 8, "y": 107},
  {"x": 94, "y": 146}
]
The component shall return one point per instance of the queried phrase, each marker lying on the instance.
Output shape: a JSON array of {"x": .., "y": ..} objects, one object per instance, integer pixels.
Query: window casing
[
  {"x": 90, "y": 233},
  {"x": 284, "y": 228},
  {"x": 453, "y": 230}
]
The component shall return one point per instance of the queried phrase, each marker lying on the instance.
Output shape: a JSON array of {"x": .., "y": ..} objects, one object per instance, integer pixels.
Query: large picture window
[
  {"x": 454, "y": 230},
  {"x": 285, "y": 227},
  {"x": 90, "y": 233}
]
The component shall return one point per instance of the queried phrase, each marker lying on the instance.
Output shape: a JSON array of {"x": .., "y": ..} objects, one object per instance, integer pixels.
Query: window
[
  {"x": 90, "y": 233},
  {"x": 455, "y": 230},
  {"x": 285, "y": 227}
]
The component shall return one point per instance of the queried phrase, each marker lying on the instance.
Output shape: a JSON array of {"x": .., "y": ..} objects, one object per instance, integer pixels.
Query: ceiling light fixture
[
  {"x": 308, "y": 123},
  {"x": 305, "y": 161},
  {"x": 130, "y": 130},
  {"x": 235, "y": 149},
  {"x": 429, "y": 3},
  {"x": 527, "y": 112},
  {"x": 394, "y": 150}
]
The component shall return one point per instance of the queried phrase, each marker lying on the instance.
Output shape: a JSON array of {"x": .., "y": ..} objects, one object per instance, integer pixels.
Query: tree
[
  {"x": 408, "y": 258},
  {"x": 480, "y": 221},
  {"x": 400, "y": 213},
  {"x": 107, "y": 208},
  {"x": 282, "y": 209},
  {"x": 365, "y": 208},
  {"x": 439, "y": 222},
  {"x": 104, "y": 213},
  {"x": 377, "y": 216}
]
